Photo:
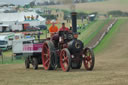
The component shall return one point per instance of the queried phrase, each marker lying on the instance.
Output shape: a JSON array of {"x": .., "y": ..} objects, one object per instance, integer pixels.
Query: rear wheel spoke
[
  {"x": 65, "y": 59},
  {"x": 46, "y": 55},
  {"x": 46, "y": 62}
]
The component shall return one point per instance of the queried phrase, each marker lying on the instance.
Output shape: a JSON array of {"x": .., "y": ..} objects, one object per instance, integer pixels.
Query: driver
[{"x": 63, "y": 28}]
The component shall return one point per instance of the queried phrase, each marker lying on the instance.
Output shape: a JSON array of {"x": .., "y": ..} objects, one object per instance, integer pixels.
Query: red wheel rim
[
  {"x": 87, "y": 60},
  {"x": 64, "y": 62},
  {"x": 45, "y": 56}
]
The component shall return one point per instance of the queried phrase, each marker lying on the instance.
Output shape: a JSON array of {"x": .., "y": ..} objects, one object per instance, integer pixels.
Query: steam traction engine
[{"x": 67, "y": 52}]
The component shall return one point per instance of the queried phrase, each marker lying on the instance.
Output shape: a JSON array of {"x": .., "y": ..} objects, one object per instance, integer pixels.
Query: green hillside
[{"x": 107, "y": 39}]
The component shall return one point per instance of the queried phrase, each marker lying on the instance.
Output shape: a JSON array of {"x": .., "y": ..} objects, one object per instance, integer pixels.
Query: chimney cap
[{"x": 74, "y": 13}]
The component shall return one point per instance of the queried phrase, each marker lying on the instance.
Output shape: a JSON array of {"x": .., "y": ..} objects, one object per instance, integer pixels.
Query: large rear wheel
[
  {"x": 65, "y": 60},
  {"x": 88, "y": 59},
  {"x": 48, "y": 55}
]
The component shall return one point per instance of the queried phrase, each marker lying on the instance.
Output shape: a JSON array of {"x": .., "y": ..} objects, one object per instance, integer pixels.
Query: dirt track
[{"x": 99, "y": 35}]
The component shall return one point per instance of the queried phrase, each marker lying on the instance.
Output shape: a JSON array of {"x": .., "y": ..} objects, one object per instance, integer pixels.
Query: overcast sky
[{"x": 17, "y": 2}]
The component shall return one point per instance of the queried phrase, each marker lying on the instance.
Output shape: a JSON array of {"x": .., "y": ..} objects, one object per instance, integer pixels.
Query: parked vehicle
[
  {"x": 6, "y": 40},
  {"x": 4, "y": 28}
]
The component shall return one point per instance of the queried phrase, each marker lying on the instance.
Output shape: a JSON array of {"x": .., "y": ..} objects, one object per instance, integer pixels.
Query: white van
[{"x": 6, "y": 40}]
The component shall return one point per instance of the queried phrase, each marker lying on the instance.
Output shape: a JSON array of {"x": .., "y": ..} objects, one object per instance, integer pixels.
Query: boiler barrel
[{"x": 75, "y": 46}]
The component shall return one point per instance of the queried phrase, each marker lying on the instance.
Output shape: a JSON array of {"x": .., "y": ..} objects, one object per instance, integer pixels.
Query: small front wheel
[{"x": 88, "y": 59}]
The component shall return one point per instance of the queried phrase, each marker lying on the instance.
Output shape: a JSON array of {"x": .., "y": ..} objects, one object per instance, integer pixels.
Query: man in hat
[{"x": 53, "y": 29}]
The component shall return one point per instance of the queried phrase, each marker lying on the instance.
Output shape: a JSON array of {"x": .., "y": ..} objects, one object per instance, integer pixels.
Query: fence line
[
  {"x": 8, "y": 59},
  {"x": 1, "y": 58}
]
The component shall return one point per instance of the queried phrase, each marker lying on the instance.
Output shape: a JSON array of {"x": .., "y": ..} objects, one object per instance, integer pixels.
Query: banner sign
[{"x": 31, "y": 48}]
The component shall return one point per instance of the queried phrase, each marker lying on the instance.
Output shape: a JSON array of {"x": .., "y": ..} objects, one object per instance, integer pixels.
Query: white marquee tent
[{"x": 12, "y": 19}]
